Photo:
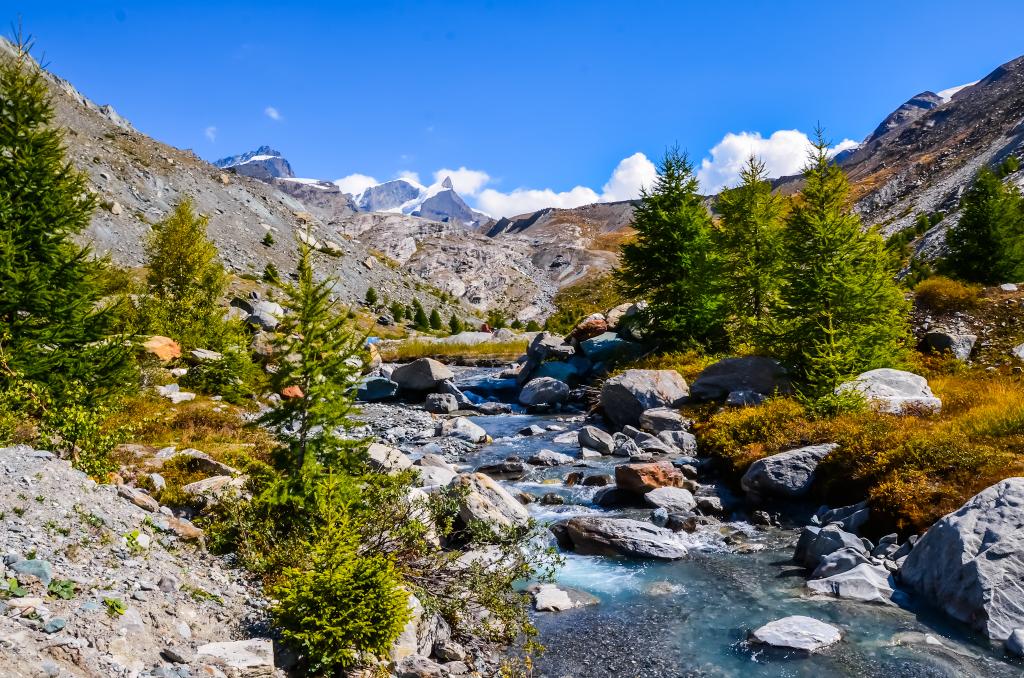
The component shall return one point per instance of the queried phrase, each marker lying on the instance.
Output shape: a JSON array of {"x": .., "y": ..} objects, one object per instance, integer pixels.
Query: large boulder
[
  {"x": 424, "y": 374},
  {"x": 547, "y": 346},
  {"x": 786, "y": 474},
  {"x": 894, "y": 391},
  {"x": 815, "y": 544},
  {"x": 440, "y": 403},
  {"x": 797, "y": 633},
  {"x": 562, "y": 371},
  {"x": 621, "y": 312},
  {"x": 642, "y": 478},
  {"x": 588, "y": 328},
  {"x": 621, "y": 537},
  {"x": 971, "y": 562},
  {"x": 756, "y": 374},
  {"x": 672, "y": 499},
  {"x": 958, "y": 345},
  {"x": 595, "y": 439},
  {"x": 372, "y": 389},
  {"x": 544, "y": 391},
  {"x": 487, "y": 501},
  {"x": 660, "y": 419},
  {"x": 628, "y": 395}
]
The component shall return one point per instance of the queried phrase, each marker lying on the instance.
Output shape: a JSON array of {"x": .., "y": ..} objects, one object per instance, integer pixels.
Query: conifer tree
[
  {"x": 454, "y": 324},
  {"x": 673, "y": 263},
  {"x": 318, "y": 384},
  {"x": 371, "y": 297},
  {"x": 397, "y": 311},
  {"x": 987, "y": 244},
  {"x": 435, "y": 320},
  {"x": 52, "y": 324},
  {"x": 419, "y": 316},
  {"x": 840, "y": 311},
  {"x": 750, "y": 238}
]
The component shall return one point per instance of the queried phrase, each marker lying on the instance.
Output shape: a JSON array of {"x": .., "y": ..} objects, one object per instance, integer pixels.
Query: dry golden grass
[
  {"x": 943, "y": 295},
  {"x": 417, "y": 348},
  {"x": 914, "y": 469}
]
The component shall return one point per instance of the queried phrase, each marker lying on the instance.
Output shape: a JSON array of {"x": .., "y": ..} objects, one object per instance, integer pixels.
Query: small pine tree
[
  {"x": 271, "y": 274},
  {"x": 987, "y": 244},
  {"x": 371, "y": 297},
  {"x": 751, "y": 243},
  {"x": 840, "y": 310},
  {"x": 674, "y": 262},
  {"x": 496, "y": 318},
  {"x": 533, "y": 326},
  {"x": 454, "y": 324},
  {"x": 268, "y": 239},
  {"x": 319, "y": 385},
  {"x": 435, "y": 320},
  {"x": 420, "y": 320},
  {"x": 53, "y": 326},
  {"x": 397, "y": 311},
  {"x": 187, "y": 281}
]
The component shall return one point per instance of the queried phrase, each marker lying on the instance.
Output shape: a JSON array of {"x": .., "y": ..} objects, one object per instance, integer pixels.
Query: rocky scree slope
[
  {"x": 139, "y": 180},
  {"x": 98, "y": 580}
]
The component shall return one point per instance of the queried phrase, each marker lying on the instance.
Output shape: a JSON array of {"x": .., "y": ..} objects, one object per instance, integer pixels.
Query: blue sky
[{"x": 525, "y": 95}]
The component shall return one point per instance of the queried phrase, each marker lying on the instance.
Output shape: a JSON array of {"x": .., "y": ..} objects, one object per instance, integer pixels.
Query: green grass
[{"x": 417, "y": 348}]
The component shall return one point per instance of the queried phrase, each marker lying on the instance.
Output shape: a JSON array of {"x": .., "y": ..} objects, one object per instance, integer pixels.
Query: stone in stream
[
  {"x": 596, "y": 439},
  {"x": 543, "y": 392},
  {"x": 463, "y": 429},
  {"x": 531, "y": 430},
  {"x": 509, "y": 469},
  {"x": 609, "y": 345},
  {"x": 619, "y": 536},
  {"x": 547, "y": 346},
  {"x": 644, "y": 477},
  {"x": 488, "y": 502},
  {"x": 756, "y": 374},
  {"x": 837, "y": 562},
  {"x": 494, "y": 408},
  {"x": 672, "y": 499},
  {"x": 786, "y": 474},
  {"x": 448, "y": 387},
  {"x": 797, "y": 633},
  {"x": 816, "y": 543},
  {"x": 424, "y": 374},
  {"x": 626, "y": 396},
  {"x": 970, "y": 563},
  {"x": 866, "y": 582},
  {"x": 683, "y": 441},
  {"x": 440, "y": 403},
  {"x": 659, "y": 419},
  {"x": 567, "y": 438},
  {"x": 894, "y": 391},
  {"x": 430, "y": 459},
  {"x": 851, "y": 518},
  {"x": 597, "y": 480},
  {"x": 557, "y": 598},
  {"x": 550, "y": 458}
]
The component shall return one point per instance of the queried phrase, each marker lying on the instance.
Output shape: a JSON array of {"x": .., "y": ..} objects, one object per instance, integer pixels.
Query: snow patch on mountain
[{"x": 948, "y": 94}]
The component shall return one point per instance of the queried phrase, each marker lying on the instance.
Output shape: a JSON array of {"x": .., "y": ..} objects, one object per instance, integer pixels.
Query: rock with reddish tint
[{"x": 642, "y": 478}]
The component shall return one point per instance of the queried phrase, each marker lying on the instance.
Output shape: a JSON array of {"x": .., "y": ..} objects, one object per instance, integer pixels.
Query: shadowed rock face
[{"x": 263, "y": 163}]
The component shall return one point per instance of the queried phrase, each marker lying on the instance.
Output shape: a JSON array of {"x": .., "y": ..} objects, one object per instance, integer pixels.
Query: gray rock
[
  {"x": 463, "y": 429},
  {"x": 1015, "y": 643},
  {"x": 744, "y": 399},
  {"x": 433, "y": 476},
  {"x": 449, "y": 651},
  {"x": 797, "y": 633},
  {"x": 373, "y": 389},
  {"x": 386, "y": 459},
  {"x": 424, "y": 374},
  {"x": 494, "y": 408},
  {"x": 461, "y": 400},
  {"x": 505, "y": 470},
  {"x": 487, "y": 501},
  {"x": 970, "y": 562},
  {"x": 755, "y": 374},
  {"x": 683, "y": 441},
  {"x": 942, "y": 341},
  {"x": 418, "y": 666},
  {"x": 816, "y": 543},
  {"x": 531, "y": 430},
  {"x": 851, "y": 518},
  {"x": 625, "y": 397},
  {"x": 894, "y": 391},
  {"x": 557, "y": 598},
  {"x": 543, "y": 391},
  {"x": 54, "y": 624},
  {"x": 661, "y": 419},
  {"x": 440, "y": 403},
  {"x": 837, "y": 562},
  {"x": 1018, "y": 351},
  {"x": 866, "y": 582},
  {"x": 547, "y": 346},
  {"x": 550, "y": 458},
  {"x": 40, "y": 569},
  {"x": 623, "y": 537},
  {"x": 596, "y": 439},
  {"x": 609, "y": 345},
  {"x": 786, "y": 474},
  {"x": 251, "y": 657},
  {"x": 672, "y": 499}
]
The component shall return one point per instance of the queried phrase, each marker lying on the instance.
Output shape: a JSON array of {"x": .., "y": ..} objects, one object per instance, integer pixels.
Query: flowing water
[{"x": 692, "y": 617}]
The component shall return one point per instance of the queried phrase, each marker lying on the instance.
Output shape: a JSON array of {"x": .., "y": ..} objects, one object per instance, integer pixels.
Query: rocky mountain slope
[
  {"x": 925, "y": 154},
  {"x": 263, "y": 163}
]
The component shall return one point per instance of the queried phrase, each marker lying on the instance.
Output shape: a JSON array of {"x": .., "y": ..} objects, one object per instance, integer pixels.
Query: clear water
[{"x": 691, "y": 617}]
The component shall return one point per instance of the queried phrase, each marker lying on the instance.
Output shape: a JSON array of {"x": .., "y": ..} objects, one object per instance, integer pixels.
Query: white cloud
[
  {"x": 467, "y": 182},
  {"x": 629, "y": 176},
  {"x": 523, "y": 200},
  {"x": 273, "y": 113},
  {"x": 410, "y": 176},
  {"x": 210, "y": 133},
  {"x": 355, "y": 183},
  {"x": 784, "y": 153}
]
